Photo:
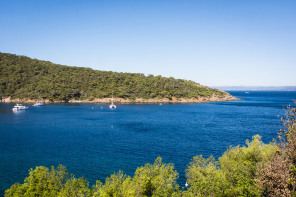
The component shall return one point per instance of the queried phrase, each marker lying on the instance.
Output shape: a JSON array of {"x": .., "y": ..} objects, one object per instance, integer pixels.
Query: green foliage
[
  {"x": 75, "y": 187},
  {"x": 41, "y": 182},
  {"x": 205, "y": 178},
  {"x": 114, "y": 185},
  {"x": 278, "y": 176},
  {"x": 23, "y": 77},
  {"x": 233, "y": 175},
  {"x": 158, "y": 179}
]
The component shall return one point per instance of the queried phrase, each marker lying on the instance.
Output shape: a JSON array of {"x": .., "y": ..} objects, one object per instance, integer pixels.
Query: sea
[{"x": 94, "y": 141}]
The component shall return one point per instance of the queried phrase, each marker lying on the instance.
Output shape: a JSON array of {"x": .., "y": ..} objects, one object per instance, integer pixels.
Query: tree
[
  {"x": 41, "y": 182},
  {"x": 233, "y": 175},
  {"x": 278, "y": 177},
  {"x": 205, "y": 178},
  {"x": 159, "y": 179},
  {"x": 75, "y": 188}
]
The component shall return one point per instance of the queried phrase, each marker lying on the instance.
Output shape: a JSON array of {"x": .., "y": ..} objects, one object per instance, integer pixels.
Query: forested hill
[{"x": 26, "y": 78}]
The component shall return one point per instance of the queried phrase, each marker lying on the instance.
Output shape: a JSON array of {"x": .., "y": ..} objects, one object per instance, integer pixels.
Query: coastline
[{"x": 214, "y": 98}]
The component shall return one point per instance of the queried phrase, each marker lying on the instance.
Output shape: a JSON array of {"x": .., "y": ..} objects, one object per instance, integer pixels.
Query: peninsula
[{"x": 23, "y": 79}]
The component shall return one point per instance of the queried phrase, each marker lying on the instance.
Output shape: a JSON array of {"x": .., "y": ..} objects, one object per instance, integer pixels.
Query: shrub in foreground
[
  {"x": 278, "y": 176},
  {"x": 233, "y": 174}
]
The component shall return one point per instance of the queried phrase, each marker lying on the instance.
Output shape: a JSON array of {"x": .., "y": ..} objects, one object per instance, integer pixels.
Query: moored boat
[
  {"x": 19, "y": 107},
  {"x": 112, "y": 106},
  {"x": 38, "y": 104}
]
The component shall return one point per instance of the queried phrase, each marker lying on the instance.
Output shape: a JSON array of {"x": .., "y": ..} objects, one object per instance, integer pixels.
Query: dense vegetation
[
  {"x": 232, "y": 175},
  {"x": 23, "y": 77},
  {"x": 256, "y": 169}
]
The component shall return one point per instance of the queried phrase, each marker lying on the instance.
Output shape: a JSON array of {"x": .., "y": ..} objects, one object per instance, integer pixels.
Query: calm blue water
[{"x": 94, "y": 142}]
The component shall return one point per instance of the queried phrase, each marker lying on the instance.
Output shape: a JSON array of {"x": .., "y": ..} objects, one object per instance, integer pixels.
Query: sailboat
[{"x": 112, "y": 106}]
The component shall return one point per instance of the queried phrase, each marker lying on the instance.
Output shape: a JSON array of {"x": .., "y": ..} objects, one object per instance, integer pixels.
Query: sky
[{"x": 211, "y": 42}]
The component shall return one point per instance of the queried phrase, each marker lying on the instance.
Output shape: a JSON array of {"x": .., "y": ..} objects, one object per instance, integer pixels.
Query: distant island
[
  {"x": 23, "y": 79},
  {"x": 256, "y": 88}
]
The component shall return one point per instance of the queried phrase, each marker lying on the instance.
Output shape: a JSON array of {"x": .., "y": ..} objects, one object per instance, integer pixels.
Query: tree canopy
[{"x": 23, "y": 77}]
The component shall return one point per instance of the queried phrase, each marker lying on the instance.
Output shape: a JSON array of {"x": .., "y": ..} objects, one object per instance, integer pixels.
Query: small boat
[
  {"x": 19, "y": 107},
  {"x": 38, "y": 104},
  {"x": 112, "y": 106}
]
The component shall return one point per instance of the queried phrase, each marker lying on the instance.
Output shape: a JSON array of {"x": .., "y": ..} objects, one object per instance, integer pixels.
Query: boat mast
[{"x": 112, "y": 99}]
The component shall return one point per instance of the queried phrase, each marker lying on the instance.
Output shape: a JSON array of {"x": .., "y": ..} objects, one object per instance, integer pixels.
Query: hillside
[{"x": 25, "y": 78}]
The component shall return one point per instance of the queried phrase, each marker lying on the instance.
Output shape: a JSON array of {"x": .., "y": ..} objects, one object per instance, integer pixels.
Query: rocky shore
[{"x": 214, "y": 98}]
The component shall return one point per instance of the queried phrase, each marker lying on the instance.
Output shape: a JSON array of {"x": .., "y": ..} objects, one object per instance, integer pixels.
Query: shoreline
[{"x": 214, "y": 98}]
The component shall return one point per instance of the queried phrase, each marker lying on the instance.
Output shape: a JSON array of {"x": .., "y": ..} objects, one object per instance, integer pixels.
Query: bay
[{"x": 94, "y": 141}]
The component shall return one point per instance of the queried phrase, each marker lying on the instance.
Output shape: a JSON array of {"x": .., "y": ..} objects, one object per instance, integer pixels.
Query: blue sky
[{"x": 212, "y": 42}]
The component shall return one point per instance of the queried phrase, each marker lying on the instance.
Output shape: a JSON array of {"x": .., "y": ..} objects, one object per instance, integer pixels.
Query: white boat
[
  {"x": 112, "y": 106},
  {"x": 38, "y": 104},
  {"x": 19, "y": 107}
]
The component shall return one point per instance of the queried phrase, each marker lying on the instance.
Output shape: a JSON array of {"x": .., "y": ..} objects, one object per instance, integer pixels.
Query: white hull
[
  {"x": 19, "y": 107},
  {"x": 38, "y": 104},
  {"x": 112, "y": 106}
]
